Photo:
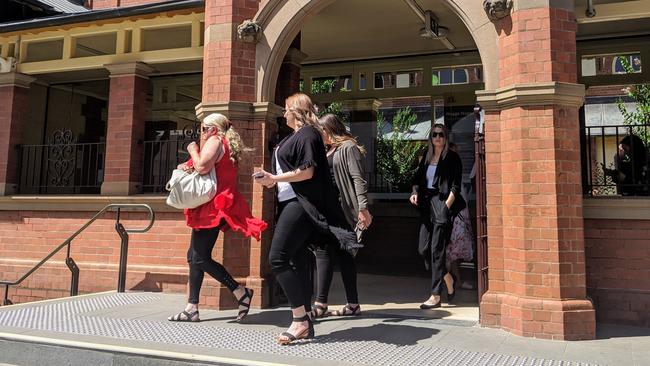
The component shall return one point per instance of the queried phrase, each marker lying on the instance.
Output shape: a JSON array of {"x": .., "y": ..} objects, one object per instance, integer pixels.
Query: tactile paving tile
[{"x": 68, "y": 317}]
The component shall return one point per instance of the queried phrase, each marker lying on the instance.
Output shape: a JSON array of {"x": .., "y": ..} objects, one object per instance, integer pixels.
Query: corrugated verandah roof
[
  {"x": 62, "y": 6},
  {"x": 95, "y": 15}
]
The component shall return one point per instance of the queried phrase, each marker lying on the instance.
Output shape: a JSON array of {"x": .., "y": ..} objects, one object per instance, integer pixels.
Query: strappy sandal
[
  {"x": 305, "y": 334},
  {"x": 248, "y": 294},
  {"x": 318, "y": 311},
  {"x": 185, "y": 316},
  {"x": 348, "y": 311}
]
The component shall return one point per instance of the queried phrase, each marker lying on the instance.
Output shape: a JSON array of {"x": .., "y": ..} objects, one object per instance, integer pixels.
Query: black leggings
[
  {"x": 289, "y": 256},
  {"x": 325, "y": 271},
  {"x": 199, "y": 257}
]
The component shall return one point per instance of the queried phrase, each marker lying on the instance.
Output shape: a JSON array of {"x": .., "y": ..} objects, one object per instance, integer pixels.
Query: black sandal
[
  {"x": 349, "y": 311},
  {"x": 248, "y": 294},
  {"x": 318, "y": 311},
  {"x": 305, "y": 334},
  {"x": 185, "y": 316}
]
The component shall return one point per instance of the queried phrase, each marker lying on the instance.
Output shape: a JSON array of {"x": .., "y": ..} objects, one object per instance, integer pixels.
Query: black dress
[{"x": 318, "y": 196}]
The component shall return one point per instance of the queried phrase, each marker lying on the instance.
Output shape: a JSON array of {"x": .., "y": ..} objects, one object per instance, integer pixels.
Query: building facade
[{"x": 98, "y": 103}]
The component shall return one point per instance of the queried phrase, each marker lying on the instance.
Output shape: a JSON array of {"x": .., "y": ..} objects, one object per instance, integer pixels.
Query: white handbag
[{"x": 191, "y": 190}]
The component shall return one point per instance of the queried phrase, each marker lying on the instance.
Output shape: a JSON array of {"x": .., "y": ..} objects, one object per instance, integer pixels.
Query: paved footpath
[{"x": 131, "y": 329}]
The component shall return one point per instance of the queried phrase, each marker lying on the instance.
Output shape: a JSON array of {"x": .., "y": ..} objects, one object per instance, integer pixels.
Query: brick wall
[
  {"x": 618, "y": 270},
  {"x": 13, "y": 112},
  {"x": 156, "y": 260}
]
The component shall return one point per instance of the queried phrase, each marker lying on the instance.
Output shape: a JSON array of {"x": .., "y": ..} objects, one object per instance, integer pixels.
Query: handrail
[{"x": 70, "y": 262}]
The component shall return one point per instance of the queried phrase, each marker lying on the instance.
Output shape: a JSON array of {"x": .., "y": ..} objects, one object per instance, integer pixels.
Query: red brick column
[
  {"x": 536, "y": 253},
  {"x": 229, "y": 88},
  {"x": 14, "y": 103},
  {"x": 127, "y": 102}
]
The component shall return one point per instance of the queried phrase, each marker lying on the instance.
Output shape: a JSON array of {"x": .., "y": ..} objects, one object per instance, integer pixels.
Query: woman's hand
[
  {"x": 365, "y": 219},
  {"x": 414, "y": 198},
  {"x": 264, "y": 178},
  {"x": 192, "y": 148},
  {"x": 184, "y": 167}
]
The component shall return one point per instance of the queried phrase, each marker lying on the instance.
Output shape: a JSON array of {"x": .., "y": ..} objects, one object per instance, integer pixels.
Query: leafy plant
[
  {"x": 396, "y": 155},
  {"x": 640, "y": 93}
]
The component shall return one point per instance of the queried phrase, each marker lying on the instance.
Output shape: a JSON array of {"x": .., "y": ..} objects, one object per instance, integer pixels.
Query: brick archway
[
  {"x": 282, "y": 20},
  {"x": 535, "y": 224}
]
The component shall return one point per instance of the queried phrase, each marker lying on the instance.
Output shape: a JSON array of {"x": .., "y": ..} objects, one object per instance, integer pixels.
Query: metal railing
[
  {"x": 62, "y": 168},
  {"x": 615, "y": 160},
  {"x": 160, "y": 159},
  {"x": 70, "y": 263}
]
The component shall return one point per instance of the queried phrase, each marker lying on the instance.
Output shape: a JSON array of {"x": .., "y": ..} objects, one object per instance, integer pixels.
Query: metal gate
[{"x": 481, "y": 205}]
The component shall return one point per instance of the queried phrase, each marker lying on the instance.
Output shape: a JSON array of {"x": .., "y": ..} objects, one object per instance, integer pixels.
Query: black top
[
  {"x": 301, "y": 150},
  {"x": 448, "y": 178},
  {"x": 330, "y": 163}
]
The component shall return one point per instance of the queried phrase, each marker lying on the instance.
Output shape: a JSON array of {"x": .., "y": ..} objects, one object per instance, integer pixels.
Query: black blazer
[{"x": 448, "y": 178}]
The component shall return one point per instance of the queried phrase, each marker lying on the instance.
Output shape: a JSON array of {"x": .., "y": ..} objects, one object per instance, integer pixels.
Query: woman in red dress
[{"x": 221, "y": 148}]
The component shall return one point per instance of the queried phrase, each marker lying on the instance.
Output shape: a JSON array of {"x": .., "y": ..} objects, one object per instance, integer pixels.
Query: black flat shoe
[
  {"x": 450, "y": 297},
  {"x": 425, "y": 306}
]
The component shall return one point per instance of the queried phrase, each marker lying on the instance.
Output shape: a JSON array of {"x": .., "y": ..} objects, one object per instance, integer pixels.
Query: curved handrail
[{"x": 118, "y": 206}]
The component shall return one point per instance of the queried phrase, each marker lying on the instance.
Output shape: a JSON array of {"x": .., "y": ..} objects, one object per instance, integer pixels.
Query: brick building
[{"x": 98, "y": 100}]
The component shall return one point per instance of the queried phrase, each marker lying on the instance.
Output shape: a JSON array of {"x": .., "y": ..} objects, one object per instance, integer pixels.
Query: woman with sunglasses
[
  {"x": 436, "y": 193},
  {"x": 220, "y": 148},
  {"x": 308, "y": 210}
]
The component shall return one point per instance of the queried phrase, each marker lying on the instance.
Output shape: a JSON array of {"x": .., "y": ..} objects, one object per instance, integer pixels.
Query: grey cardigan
[{"x": 349, "y": 177}]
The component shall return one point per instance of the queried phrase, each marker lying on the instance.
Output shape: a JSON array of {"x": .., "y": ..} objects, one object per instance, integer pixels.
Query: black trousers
[
  {"x": 289, "y": 256},
  {"x": 199, "y": 258},
  {"x": 434, "y": 236},
  {"x": 325, "y": 271}
]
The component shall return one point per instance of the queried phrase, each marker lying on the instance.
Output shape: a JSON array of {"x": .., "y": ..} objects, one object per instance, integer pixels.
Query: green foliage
[
  {"x": 640, "y": 93},
  {"x": 397, "y": 155}
]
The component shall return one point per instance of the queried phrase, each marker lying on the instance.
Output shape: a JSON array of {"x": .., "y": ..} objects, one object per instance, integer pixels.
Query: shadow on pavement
[{"x": 399, "y": 335}]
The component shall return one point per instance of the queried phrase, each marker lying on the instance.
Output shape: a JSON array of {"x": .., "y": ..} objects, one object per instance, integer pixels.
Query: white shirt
[
  {"x": 285, "y": 192},
  {"x": 431, "y": 173}
]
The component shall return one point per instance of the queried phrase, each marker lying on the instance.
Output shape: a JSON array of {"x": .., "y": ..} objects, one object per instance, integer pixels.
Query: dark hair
[
  {"x": 637, "y": 150},
  {"x": 337, "y": 132}
]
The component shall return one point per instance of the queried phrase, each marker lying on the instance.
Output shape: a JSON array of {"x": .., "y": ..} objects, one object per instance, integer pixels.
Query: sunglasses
[
  {"x": 437, "y": 134},
  {"x": 205, "y": 129}
]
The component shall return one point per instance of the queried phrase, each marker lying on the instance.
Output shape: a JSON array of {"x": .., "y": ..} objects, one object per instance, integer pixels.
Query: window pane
[
  {"x": 435, "y": 78},
  {"x": 460, "y": 76},
  {"x": 362, "y": 81},
  {"x": 445, "y": 77}
]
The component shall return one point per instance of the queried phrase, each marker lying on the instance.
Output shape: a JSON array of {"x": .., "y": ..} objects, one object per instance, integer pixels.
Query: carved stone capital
[
  {"x": 497, "y": 9},
  {"x": 523, "y": 95},
  {"x": 249, "y": 31},
  {"x": 16, "y": 79},
  {"x": 139, "y": 69}
]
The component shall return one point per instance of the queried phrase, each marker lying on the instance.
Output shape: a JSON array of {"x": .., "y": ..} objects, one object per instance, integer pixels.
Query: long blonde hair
[
  {"x": 303, "y": 109},
  {"x": 337, "y": 132},
  {"x": 224, "y": 128},
  {"x": 431, "y": 150}
]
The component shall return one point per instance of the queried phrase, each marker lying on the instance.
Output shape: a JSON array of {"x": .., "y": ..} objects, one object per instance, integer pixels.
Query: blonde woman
[
  {"x": 436, "y": 193},
  {"x": 344, "y": 156},
  {"x": 220, "y": 147},
  {"x": 308, "y": 211}
]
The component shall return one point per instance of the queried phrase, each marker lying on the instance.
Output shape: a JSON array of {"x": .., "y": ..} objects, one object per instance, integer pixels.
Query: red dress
[{"x": 228, "y": 204}]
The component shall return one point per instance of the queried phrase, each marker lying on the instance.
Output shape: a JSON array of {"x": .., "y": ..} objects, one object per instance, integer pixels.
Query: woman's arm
[
  {"x": 355, "y": 169},
  {"x": 456, "y": 179},
  {"x": 298, "y": 175},
  {"x": 205, "y": 159}
]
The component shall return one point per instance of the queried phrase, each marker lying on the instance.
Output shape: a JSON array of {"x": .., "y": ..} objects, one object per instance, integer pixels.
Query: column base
[
  {"x": 569, "y": 320},
  {"x": 7, "y": 189},
  {"x": 120, "y": 188}
]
